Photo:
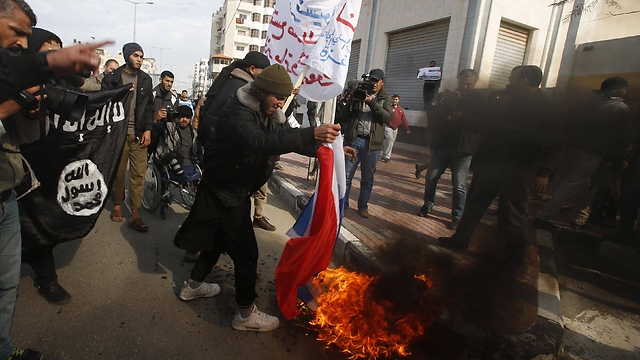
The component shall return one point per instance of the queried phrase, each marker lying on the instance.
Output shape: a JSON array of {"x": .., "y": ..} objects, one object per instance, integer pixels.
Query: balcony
[{"x": 240, "y": 21}]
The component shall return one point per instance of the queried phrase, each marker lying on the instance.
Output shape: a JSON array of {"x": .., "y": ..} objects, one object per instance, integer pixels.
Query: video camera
[
  {"x": 66, "y": 103},
  {"x": 364, "y": 88}
]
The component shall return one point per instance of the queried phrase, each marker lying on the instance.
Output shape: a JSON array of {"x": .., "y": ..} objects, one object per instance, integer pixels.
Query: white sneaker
[
  {"x": 205, "y": 290},
  {"x": 257, "y": 321}
]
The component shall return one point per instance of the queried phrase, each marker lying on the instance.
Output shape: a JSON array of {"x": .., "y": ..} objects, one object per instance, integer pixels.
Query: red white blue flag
[{"x": 313, "y": 237}]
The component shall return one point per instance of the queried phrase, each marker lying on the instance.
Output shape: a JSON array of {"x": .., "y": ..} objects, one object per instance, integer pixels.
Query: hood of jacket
[{"x": 247, "y": 99}]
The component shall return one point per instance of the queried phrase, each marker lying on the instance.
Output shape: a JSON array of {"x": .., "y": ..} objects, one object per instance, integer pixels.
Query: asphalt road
[{"x": 125, "y": 301}]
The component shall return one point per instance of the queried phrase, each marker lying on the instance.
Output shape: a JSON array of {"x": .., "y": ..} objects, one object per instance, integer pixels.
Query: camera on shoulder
[{"x": 364, "y": 88}]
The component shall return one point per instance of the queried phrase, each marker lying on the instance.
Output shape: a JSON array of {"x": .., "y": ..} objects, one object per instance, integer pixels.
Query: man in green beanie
[{"x": 250, "y": 132}]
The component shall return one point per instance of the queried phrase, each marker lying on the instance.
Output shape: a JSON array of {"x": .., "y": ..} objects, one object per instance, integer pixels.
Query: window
[
  {"x": 266, "y": 19},
  {"x": 269, "y": 3},
  {"x": 262, "y": 49},
  {"x": 242, "y": 32},
  {"x": 255, "y": 33},
  {"x": 257, "y": 2},
  {"x": 255, "y": 17},
  {"x": 264, "y": 34},
  {"x": 253, "y": 47},
  {"x": 240, "y": 48},
  {"x": 242, "y": 16},
  {"x": 216, "y": 61}
]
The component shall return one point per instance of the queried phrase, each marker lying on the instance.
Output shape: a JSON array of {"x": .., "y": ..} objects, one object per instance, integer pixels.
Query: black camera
[
  {"x": 70, "y": 105},
  {"x": 171, "y": 113},
  {"x": 365, "y": 87}
]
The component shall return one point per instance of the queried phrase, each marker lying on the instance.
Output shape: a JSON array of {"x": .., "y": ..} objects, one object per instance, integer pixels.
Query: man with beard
[
  {"x": 517, "y": 154},
  {"x": 138, "y": 134},
  {"x": 19, "y": 73},
  {"x": 251, "y": 130}
]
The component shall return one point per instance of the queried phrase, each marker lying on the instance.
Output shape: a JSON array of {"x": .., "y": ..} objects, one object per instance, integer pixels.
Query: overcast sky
[{"x": 182, "y": 25}]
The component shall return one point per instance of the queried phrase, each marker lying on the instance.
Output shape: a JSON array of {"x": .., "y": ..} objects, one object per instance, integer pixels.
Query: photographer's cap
[
  {"x": 184, "y": 110},
  {"x": 377, "y": 74}
]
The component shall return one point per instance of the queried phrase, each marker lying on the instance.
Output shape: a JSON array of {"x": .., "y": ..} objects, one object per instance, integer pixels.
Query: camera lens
[{"x": 175, "y": 167}]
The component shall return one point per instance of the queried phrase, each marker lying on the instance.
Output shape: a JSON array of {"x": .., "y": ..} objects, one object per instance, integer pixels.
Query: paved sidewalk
[{"x": 490, "y": 302}]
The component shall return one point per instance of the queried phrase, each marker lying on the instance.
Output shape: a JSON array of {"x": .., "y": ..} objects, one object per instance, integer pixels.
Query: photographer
[
  {"x": 164, "y": 100},
  {"x": 363, "y": 115},
  {"x": 18, "y": 73},
  {"x": 177, "y": 146}
]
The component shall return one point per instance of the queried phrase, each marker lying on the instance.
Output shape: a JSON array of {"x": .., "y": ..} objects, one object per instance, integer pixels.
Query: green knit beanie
[{"x": 275, "y": 80}]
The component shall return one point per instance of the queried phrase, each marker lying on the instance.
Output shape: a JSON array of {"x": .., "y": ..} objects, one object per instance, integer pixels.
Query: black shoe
[
  {"x": 55, "y": 294},
  {"x": 25, "y": 354},
  {"x": 452, "y": 242},
  {"x": 454, "y": 223},
  {"x": 425, "y": 210},
  {"x": 544, "y": 224},
  {"x": 385, "y": 160},
  {"x": 417, "y": 173}
]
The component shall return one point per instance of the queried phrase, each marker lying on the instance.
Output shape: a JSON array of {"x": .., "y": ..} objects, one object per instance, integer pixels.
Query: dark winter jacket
[
  {"x": 170, "y": 98},
  {"x": 348, "y": 115},
  {"x": 237, "y": 79},
  {"x": 458, "y": 123},
  {"x": 522, "y": 135},
  {"x": 144, "y": 98},
  {"x": 599, "y": 125},
  {"x": 239, "y": 158}
]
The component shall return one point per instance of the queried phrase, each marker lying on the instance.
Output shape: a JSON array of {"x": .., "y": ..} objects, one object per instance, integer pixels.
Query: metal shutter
[
  {"x": 354, "y": 59},
  {"x": 410, "y": 50},
  {"x": 510, "y": 51}
]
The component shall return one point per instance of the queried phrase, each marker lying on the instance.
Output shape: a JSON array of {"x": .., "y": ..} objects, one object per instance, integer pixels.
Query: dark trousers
[
  {"x": 40, "y": 258},
  {"x": 213, "y": 229},
  {"x": 629, "y": 202},
  {"x": 513, "y": 187}
]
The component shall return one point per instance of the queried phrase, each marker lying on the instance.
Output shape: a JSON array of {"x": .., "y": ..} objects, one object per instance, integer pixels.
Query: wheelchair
[{"x": 159, "y": 181}]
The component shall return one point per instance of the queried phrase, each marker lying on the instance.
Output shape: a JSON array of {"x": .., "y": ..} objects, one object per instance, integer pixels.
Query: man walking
[
  {"x": 138, "y": 134},
  {"x": 597, "y": 131},
  {"x": 251, "y": 130},
  {"x": 226, "y": 85},
  {"x": 363, "y": 125},
  {"x": 519, "y": 147},
  {"x": 391, "y": 130},
  {"x": 455, "y": 123}
]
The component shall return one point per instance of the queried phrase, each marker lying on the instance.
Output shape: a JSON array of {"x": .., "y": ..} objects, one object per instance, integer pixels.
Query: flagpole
[{"x": 297, "y": 84}]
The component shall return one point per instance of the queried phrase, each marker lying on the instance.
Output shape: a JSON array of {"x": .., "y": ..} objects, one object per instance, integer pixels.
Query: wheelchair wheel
[
  {"x": 152, "y": 188},
  {"x": 188, "y": 193}
]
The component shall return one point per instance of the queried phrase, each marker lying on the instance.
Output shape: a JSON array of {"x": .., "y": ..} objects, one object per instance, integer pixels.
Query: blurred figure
[
  {"x": 94, "y": 82},
  {"x": 519, "y": 147}
]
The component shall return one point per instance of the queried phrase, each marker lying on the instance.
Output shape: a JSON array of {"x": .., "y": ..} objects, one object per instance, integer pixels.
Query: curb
[{"x": 543, "y": 338}]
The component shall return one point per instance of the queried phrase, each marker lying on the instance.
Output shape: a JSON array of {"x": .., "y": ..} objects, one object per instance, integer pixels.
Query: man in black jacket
[
  {"x": 455, "y": 122},
  {"x": 363, "y": 123},
  {"x": 518, "y": 150},
  {"x": 138, "y": 135},
  {"x": 251, "y": 130}
]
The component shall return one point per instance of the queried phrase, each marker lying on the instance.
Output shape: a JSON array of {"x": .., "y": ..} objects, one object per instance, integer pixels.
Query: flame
[{"x": 349, "y": 316}]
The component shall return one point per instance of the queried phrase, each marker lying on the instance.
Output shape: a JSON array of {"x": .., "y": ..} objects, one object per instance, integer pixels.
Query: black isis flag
[{"x": 76, "y": 164}]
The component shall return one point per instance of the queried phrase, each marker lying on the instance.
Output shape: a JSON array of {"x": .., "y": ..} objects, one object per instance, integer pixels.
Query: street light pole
[
  {"x": 135, "y": 13},
  {"x": 161, "y": 48}
]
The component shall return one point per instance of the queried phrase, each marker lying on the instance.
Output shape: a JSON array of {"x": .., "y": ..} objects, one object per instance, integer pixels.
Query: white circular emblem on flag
[{"x": 81, "y": 188}]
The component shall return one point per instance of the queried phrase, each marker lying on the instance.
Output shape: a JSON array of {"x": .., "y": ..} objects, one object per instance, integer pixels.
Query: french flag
[{"x": 314, "y": 234}]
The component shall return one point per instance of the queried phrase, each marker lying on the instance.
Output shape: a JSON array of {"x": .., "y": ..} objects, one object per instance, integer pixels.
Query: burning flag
[
  {"x": 354, "y": 315},
  {"x": 314, "y": 235}
]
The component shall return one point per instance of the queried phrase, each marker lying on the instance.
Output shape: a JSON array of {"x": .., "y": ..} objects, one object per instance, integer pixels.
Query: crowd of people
[{"x": 511, "y": 141}]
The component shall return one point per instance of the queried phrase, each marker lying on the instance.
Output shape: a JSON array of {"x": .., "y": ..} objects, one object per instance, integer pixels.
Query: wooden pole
[{"x": 297, "y": 84}]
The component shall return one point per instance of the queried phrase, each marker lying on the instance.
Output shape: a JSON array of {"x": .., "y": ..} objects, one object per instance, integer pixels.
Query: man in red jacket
[{"x": 391, "y": 130}]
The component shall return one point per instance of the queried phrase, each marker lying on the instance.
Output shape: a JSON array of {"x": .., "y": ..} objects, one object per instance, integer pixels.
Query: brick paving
[{"x": 490, "y": 299}]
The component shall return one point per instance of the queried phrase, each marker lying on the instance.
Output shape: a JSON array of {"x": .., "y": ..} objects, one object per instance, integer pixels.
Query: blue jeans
[
  {"x": 10, "y": 250},
  {"x": 369, "y": 159},
  {"x": 459, "y": 165}
]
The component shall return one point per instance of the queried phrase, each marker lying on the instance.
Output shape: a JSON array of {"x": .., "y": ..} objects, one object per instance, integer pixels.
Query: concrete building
[
  {"x": 239, "y": 26},
  {"x": 201, "y": 78},
  {"x": 492, "y": 36}
]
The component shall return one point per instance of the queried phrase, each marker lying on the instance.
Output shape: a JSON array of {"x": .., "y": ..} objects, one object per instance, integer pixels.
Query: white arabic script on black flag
[{"x": 76, "y": 165}]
